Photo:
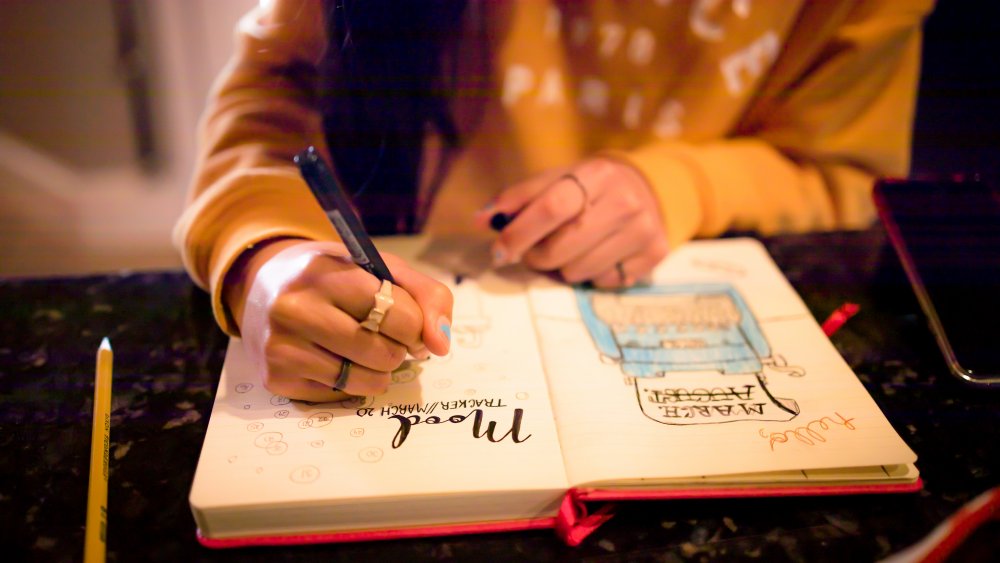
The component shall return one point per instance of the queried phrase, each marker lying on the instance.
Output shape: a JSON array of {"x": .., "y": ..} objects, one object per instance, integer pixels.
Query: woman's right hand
[{"x": 299, "y": 305}]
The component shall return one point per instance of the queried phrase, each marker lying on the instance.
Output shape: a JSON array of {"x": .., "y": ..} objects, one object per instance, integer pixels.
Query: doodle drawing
[{"x": 694, "y": 352}]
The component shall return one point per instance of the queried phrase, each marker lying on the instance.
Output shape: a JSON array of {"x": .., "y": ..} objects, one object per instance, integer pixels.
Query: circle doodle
[
  {"x": 304, "y": 474},
  {"x": 276, "y": 448},
  {"x": 318, "y": 419},
  {"x": 356, "y": 402},
  {"x": 265, "y": 439},
  {"x": 403, "y": 376}
]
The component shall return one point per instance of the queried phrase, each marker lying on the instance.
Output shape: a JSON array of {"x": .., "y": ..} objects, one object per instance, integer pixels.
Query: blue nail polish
[
  {"x": 499, "y": 257},
  {"x": 445, "y": 327}
]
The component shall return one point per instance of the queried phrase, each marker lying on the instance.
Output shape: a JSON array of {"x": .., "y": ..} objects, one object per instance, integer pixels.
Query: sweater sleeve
[
  {"x": 831, "y": 117},
  {"x": 246, "y": 188}
]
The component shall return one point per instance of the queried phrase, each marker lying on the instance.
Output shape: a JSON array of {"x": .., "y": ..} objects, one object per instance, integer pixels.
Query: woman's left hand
[{"x": 598, "y": 221}]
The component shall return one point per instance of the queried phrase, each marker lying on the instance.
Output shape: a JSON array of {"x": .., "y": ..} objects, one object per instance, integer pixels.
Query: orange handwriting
[{"x": 809, "y": 434}]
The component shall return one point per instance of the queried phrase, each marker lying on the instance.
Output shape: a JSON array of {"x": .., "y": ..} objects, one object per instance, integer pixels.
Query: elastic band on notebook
[
  {"x": 574, "y": 524},
  {"x": 837, "y": 318}
]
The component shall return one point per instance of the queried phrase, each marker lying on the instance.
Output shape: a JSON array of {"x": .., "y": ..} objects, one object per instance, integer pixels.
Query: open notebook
[{"x": 712, "y": 381}]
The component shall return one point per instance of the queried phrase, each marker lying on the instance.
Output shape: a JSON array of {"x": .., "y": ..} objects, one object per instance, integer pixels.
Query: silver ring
[
  {"x": 341, "y": 382},
  {"x": 583, "y": 190},
  {"x": 383, "y": 301}
]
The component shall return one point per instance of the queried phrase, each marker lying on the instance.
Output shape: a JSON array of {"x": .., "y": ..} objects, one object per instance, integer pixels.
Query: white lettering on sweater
[
  {"x": 704, "y": 15},
  {"x": 751, "y": 61},
  {"x": 667, "y": 124},
  {"x": 518, "y": 81}
]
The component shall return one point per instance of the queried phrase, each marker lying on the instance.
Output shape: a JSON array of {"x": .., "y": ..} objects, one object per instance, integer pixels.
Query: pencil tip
[{"x": 105, "y": 344}]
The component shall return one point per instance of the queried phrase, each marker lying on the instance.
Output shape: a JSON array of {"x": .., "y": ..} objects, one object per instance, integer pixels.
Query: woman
[{"x": 611, "y": 131}]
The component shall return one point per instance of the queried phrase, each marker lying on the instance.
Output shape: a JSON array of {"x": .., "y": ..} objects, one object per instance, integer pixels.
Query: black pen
[
  {"x": 500, "y": 220},
  {"x": 334, "y": 202}
]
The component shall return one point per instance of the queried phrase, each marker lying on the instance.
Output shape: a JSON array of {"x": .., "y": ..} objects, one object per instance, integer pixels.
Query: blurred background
[
  {"x": 98, "y": 104},
  {"x": 99, "y": 100}
]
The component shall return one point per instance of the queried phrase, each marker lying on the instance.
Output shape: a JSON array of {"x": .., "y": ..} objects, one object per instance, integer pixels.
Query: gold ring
[
  {"x": 383, "y": 301},
  {"x": 341, "y": 381}
]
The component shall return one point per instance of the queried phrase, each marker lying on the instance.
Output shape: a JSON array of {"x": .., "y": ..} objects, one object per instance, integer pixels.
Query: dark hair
[{"x": 387, "y": 76}]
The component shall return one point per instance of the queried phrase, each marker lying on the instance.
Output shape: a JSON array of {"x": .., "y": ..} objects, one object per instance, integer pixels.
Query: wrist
[{"x": 240, "y": 276}]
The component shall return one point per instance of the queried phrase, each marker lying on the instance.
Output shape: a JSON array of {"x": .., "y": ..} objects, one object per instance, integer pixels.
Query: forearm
[{"x": 261, "y": 112}]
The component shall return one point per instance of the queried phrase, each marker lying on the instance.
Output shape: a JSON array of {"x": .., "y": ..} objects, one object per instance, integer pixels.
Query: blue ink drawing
[{"x": 694, "y": 352}]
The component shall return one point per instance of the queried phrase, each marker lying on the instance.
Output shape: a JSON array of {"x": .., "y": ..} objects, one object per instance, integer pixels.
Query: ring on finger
[
  {"x": 345, "y": 369},
  {"x": 622, "y": 276},
  {"x": 383, "y": 301},
  {"x": 583, "y": 190}
]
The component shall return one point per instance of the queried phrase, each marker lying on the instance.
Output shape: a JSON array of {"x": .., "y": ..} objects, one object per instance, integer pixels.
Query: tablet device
[{"x": 947, "y": 236}]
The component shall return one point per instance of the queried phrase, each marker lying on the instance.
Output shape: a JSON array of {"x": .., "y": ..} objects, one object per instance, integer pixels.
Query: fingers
[
  {"x": 303, "y": 315},
  {"x": 562, "y": 201},
  {"x": 298, "y": 369},
  {"x": 584, "y": 225},
  {"x": 627, "y": 272},
  {"x": 605, "y": 218},
  {"x": 403, "y": 321},
  {"x": 518, "y": 196},
  {"x": 332, "y": 329},
  {"x": 435, "y": 301},
  {"x": 635, "y": 243}
]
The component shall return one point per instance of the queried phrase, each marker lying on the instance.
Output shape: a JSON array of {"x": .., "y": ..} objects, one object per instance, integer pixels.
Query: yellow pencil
[{"x": 95, "y": 543}]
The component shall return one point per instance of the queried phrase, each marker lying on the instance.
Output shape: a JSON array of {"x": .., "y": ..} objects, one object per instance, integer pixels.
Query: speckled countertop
[{"x": 168, "y": 353}]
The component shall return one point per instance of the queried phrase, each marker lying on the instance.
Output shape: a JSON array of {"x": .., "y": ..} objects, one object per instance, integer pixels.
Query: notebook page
[
  {"x": 476, "y": 420},
  {"x": 717, "y": 368}
]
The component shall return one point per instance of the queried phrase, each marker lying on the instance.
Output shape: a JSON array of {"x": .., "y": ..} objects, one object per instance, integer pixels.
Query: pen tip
[{"x": 105, "y": 344}]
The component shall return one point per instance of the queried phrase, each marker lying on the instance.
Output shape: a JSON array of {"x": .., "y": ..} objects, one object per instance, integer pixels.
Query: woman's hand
[
  {"x": 597, "y": 222},
  {"x": 299, "y": 305}
]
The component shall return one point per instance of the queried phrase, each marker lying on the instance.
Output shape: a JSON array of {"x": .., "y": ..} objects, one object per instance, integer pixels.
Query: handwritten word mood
[{"x": 406, "y": 424}]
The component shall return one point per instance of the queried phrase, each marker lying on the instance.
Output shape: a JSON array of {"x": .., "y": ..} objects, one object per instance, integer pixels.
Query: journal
[{"x": 712, "y": 380}]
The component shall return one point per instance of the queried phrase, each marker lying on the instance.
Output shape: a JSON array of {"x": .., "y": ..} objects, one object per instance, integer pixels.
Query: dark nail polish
[{"x": 499, "y": 221}]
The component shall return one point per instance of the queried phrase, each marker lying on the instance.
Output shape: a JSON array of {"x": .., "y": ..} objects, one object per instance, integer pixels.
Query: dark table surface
[{"x": 168, "y": 353}]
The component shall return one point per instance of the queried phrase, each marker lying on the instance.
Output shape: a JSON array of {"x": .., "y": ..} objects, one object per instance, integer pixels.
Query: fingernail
[
  {"x": 444, "y": 325},
  {"x": 500, "y": 256}
]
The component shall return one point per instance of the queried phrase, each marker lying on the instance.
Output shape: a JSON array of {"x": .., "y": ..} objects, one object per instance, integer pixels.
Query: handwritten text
[
  {"x": 809, "y": 434},
  {"x": 406, "y": 424}
]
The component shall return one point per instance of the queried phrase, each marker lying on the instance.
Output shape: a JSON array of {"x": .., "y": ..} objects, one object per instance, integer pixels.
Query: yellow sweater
[{"x": 764, "y": 115}]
